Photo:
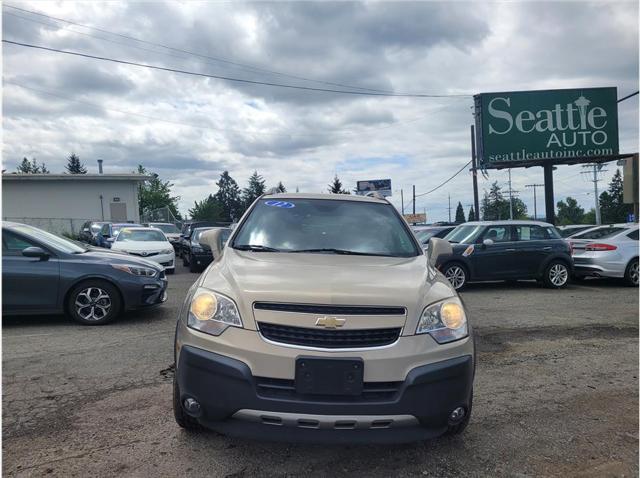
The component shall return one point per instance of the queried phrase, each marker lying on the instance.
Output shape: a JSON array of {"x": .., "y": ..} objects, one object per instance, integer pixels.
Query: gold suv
[{"x": 323, "y": 320}]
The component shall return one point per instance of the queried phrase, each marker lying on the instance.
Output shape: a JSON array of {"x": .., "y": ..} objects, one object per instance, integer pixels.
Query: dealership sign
[
  {"x": 382, "y": 186},
  {"x": 526, "y": 128}
]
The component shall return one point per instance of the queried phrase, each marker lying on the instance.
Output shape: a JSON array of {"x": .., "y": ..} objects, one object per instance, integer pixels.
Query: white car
[
  {"x": 170, "y": 230},
  {"x": 607, "y": 251},
  {"x": 147, "y": 242}
]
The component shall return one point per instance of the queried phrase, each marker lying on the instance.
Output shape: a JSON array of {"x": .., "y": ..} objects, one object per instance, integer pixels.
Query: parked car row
[{"x": 521, "y": 250}]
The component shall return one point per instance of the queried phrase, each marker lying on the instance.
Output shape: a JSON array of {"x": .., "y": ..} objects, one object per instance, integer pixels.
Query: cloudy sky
[{"x": 189, "y": 129}]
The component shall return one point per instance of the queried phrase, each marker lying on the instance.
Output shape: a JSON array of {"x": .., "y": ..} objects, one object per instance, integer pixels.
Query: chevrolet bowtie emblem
[{"x": 330, "y": 322}]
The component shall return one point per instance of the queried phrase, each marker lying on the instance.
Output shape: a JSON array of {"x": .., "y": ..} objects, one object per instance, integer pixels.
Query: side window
[
  {"x": 497, "y": 234},
  {"x": 531, "y": 233},
  {"x": 633, "y": 235},
  {"x": 13, "y": 245}
]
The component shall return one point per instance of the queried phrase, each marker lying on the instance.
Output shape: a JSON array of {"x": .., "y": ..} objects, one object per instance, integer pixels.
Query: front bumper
[
  {"x": 235, "y": 402},
  {"x": 202, "y": 259},
  {"x": 141, "y": 293}
]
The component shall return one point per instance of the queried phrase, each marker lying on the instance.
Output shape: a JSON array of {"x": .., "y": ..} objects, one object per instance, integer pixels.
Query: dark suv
[
  {"x": 197, "y": 255},
  {"x": 507, "y": 250}
]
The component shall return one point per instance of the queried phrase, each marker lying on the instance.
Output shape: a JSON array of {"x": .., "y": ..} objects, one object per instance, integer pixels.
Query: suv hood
[{"x": 325, "y": 279}]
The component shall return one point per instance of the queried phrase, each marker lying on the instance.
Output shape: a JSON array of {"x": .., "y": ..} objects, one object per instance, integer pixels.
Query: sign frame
[
  {"x": 382, "y": 186},
  {"x": 598, "y": 116}
]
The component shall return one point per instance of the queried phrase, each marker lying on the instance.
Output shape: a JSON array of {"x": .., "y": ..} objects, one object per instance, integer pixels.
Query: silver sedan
[{"x": 607, "y": 251}]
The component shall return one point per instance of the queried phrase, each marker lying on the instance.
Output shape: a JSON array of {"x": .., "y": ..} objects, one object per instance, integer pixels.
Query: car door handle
[
  {"x": 548, "y": 248},
  {"x": 510, "y": 250}
]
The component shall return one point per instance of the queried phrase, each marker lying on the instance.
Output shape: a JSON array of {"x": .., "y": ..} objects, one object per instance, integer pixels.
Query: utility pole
[
  {"x": 596, "y": 170},
  {"x": 414, "y": 199},
  {"x": 474, "y": 169},
  {"x": 449, "y": 208},
  {"x": 511, "y": 193},
  {"x": 535, "y": 202},
  {"x": 402, "y": 200}
]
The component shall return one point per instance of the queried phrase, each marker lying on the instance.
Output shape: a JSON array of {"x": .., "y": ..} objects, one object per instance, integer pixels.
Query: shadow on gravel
[
  {"x": 479, "y": 287},
  {"x": 60, "y": 320}
]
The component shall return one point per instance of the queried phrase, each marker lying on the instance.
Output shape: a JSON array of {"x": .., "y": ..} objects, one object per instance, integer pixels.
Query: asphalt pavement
[{"x": 556, "y": 394}]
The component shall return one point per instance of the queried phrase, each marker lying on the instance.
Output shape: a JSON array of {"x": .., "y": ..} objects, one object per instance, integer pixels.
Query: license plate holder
[{"x": 329, "y": 376}]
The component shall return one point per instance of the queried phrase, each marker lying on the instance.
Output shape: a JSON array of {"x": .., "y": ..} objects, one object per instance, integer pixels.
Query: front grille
[
  {"x": 330, "y": 309},
  {"x": 330, "y": 339},
  {"x": 371, "y": 391},
  {"x": 148, "y": 254}
]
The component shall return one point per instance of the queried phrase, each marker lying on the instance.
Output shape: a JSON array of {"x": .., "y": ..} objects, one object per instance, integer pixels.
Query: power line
[
  {"x": 535, "y": 201},
  {"x": 226, "y": 78},
  {"x": 225, "y": 130},
  {"x": 445, "y": 182},
  {"x": 222, "y": 60},
  {"x": 628, "y": 96},
  {"x": 204, "y": 58}
]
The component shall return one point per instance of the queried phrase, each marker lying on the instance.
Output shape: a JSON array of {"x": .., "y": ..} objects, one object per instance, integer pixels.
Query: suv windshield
[
  {"x": 464, "y": 234},
  {"x": 131, "y": 235},
  {"x": 167, "y": 228},
  {"x": 325, "y": 226}
]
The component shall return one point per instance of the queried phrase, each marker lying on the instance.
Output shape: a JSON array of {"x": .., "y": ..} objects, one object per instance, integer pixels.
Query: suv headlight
[
  {"x": 196, "y": 247},
  {"x": 136, "y": 270},
  {"x": 445, "y": 321},
  {"x": 212, "y": 313}
]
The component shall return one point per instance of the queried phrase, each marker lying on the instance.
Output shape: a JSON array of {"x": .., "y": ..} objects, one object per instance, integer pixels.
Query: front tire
[
  {"x": 456, "y": 274},
  {"x": 556, "y": 275},
  {"x": 631, "y": 273},
  {"x": 94, "y": 302}
]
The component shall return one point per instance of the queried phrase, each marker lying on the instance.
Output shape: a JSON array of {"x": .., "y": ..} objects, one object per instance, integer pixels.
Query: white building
[{"x": 63, "y": 202}]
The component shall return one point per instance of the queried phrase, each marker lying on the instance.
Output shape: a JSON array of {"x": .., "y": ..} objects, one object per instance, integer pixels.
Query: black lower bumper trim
[{"x": 223, "y": 386}]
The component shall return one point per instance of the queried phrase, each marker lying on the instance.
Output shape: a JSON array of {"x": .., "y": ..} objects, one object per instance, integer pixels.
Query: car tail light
[{"x": 600, "y": 247}]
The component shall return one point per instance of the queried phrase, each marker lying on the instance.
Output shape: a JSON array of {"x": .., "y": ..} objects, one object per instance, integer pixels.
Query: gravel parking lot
[{"x": 556, "y": 393}]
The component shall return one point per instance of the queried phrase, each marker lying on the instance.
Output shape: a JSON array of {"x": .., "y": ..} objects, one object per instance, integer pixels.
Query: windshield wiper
[
  {"x": 256, "y": 248},
  {"x": 342, "y": 251}
]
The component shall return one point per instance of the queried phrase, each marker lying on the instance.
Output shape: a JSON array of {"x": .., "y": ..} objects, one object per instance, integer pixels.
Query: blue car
[
  {"x": 109, "y": 232},
  {"x": 47, "y": 274}
]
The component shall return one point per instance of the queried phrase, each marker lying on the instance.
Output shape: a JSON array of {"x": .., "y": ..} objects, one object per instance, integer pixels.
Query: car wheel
[
  {"x": 556, "y": 275},
  {"x": 94, "y": 302},
  {"x": 182, "y": 418},
  {"x": 457, "y": 275},
  {"x": 631, "y": 273},
  {"x": 459, "y": 427},
  {"x": 193, "y": 267}
]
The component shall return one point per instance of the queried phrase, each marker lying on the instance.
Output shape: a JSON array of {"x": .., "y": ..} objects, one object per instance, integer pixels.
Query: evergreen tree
[
  {"x": 336, "y": 186},
  {"x": 472, "y": 214},
  {"x": 280, "y": 187},
  {"x": 254, "y": 190},
  {"x": 612, "y": 207},
  {"x": 155, "y": 194},
  {"x": 569, "y": 212},
  {"x": 74, "y": 166},
  {"x": 590, "y": 217},
  {"x": 459, "y": 213},
  {"x": 495, "y": 206},
  {"x": 206, "y": 210},
  {"x": 31, "y": 167},
  {"x": 228, "y": 196}
]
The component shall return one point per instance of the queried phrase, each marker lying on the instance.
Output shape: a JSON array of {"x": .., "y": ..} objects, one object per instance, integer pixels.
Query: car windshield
[
  {"x": 167, "y": 228},
  {"x": 464, "y": 234},
  {"x": 325, "y": 226},
  {"x": 51, "y": 240},
  {"x": 600, "y": 233},
  {"x": 426, "y": 234},
  {"x": 571, "y": 231},
  {"x": 116, "y": 227},
  {"x": 96, "y": 226},
  {"x": 140, "y": 235}
]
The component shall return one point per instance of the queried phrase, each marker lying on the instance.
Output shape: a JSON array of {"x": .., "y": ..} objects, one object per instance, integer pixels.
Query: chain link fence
[{"x": 162, "y": 214}]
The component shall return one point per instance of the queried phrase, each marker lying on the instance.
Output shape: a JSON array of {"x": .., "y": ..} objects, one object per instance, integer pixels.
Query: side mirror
[
  {"x": 213, "y": 239},
  {"x": 488, "y": 242},
  {"x": 37, "y": 252},
  {"x": 438, "y": 248}
]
